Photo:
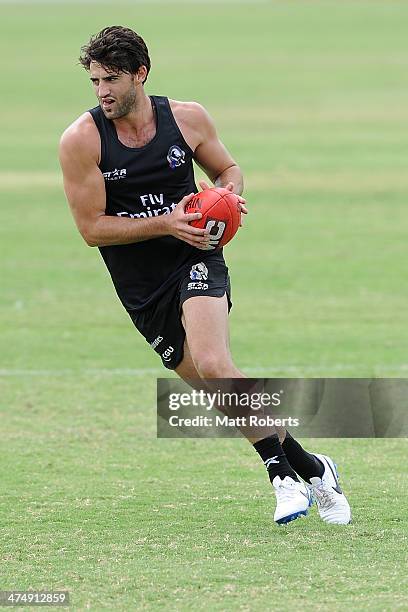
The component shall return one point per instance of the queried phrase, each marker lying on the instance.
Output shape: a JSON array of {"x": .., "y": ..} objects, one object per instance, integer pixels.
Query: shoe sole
[{"x": 291, "y": 517}]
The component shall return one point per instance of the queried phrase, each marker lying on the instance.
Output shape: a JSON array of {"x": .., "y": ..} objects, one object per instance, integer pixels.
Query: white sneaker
[
  {"x": 292, "y": 499},
  {"x": 331, "y": 502}
]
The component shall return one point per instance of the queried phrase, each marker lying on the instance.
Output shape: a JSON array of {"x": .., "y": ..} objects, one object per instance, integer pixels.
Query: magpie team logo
[
  {"x": 199, "y": 272},
  {"x": 175, "y": 157}
]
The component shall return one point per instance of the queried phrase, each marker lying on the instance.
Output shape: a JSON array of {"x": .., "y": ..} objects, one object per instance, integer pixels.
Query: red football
[{"x": 221, "y": 214}]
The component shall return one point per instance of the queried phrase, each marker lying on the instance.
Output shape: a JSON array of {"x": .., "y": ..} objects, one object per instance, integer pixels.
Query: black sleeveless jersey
[{"x": 140, "y": 183}]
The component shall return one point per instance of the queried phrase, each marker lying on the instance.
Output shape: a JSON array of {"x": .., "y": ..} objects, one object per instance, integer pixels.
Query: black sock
[
  {"x": 271, "y": 453},
  {"x": 304, "y": 463}
]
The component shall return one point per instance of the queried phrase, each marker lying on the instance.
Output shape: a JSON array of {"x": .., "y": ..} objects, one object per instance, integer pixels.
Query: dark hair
[{"x": 116, "y": 48}]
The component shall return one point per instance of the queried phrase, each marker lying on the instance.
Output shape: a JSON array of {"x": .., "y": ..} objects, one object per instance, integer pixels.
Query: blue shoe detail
[{"x": 288, "y": 519}]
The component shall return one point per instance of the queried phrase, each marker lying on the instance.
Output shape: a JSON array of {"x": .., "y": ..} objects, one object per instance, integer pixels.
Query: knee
[{"x": 213, "y": 365}]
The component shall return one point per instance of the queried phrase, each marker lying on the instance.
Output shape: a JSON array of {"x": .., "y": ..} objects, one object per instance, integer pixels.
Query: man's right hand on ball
[{"x": 178, "y": 225}]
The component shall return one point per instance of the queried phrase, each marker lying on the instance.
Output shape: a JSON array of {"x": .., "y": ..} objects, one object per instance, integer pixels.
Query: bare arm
[
  {"x": 231, "y": 174},
  {"x": 209, "y": 152},
  {"x": 213, "y": 157},
  {"x": 85, "y": 190}
]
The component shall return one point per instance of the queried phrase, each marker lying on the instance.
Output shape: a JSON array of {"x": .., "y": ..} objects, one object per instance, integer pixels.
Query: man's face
[{"x": 116, "y": 91}]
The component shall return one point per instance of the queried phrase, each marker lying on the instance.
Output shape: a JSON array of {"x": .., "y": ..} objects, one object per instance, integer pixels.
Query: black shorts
[{"x": 161, "y": 324}]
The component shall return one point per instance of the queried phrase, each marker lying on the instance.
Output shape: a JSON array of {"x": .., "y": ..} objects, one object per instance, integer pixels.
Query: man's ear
[{"x": 141, "y": 75}]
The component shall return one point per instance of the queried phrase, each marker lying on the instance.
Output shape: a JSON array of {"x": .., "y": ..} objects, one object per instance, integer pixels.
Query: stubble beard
[{"x": 122, "y": 107}]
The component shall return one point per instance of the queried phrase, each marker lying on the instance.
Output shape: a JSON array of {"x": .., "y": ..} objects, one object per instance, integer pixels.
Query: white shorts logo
[
  {"x": 166, "y": 356},
  {"x": 196, "y": 286},
  {"x": 156, "y": 342}
]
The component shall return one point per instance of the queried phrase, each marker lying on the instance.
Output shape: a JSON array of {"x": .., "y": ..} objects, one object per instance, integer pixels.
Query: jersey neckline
[{"x": 148, "y": 144}]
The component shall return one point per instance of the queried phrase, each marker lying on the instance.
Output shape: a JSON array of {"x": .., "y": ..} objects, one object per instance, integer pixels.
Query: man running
[{"x": 128, "y": 175}]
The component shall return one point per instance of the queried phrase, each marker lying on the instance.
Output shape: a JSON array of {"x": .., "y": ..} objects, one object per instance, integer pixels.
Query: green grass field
[{"x": 312, "y": 99}]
